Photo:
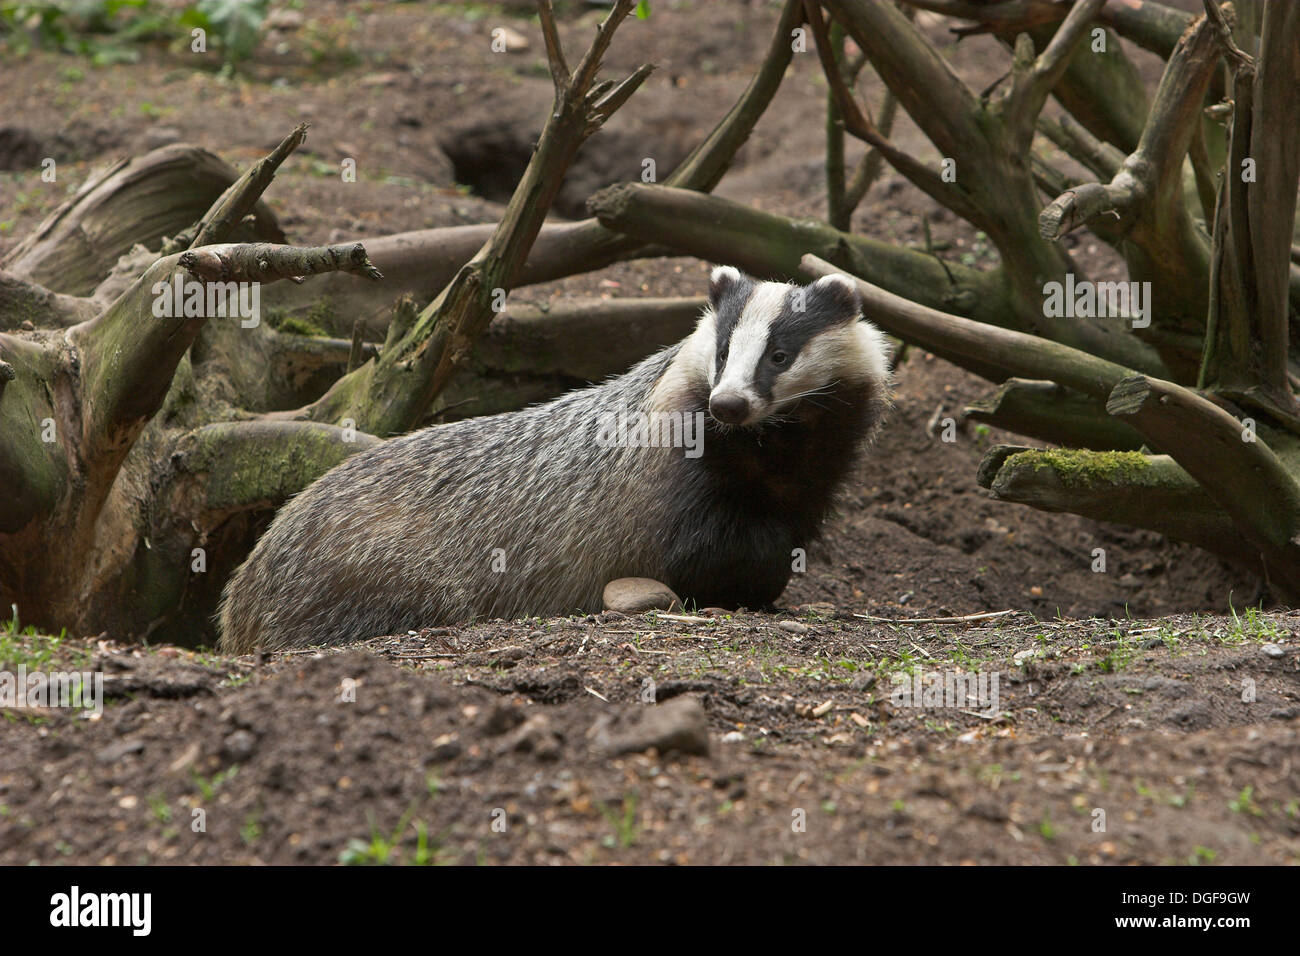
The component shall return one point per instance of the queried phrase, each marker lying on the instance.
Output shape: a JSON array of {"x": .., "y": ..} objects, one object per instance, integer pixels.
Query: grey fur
[{"x": 406, "y": 534}]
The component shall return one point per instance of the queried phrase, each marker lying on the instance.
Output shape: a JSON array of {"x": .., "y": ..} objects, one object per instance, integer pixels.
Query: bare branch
[
  {"x": 1033, "y": 81},
  {"x": 1153, "y": 26},
  {"x": 241, "y": 197},
  {"x": 1224, "y": 30},
  {"x": 857, "y": 123},
  {"x": 554, "y": 53},
  {"x": 1102, "y": 159},
  {"x": 264, "y": 262},
  {"x": 585, "y": 75}
]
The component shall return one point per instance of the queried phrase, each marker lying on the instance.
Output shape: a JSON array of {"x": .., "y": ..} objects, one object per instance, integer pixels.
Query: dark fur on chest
[{"x": 754, "y": 496}]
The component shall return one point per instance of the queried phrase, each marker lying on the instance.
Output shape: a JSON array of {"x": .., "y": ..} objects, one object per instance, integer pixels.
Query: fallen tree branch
[
  {"x": 1244, "y": 477},
  {"x": 972, "y": 344},
  {"x": 771, "y": 246},
  {"x": 1141, "y": 491},
  {"x": 1048, "y": 412},
  {"x": 263, "y": 262},
  {"x": 141, "y": 200}
]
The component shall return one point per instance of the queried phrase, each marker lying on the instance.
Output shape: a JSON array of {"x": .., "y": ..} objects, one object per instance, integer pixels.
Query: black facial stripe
[
  {"x": 794, "y": 329},
  {"x": 728, "y": 304}
]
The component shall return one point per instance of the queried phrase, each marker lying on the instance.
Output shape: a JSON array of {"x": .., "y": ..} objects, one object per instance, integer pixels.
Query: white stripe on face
[
  {"x": 694, "y": 363},
  {"x": 749, "y": 342}
]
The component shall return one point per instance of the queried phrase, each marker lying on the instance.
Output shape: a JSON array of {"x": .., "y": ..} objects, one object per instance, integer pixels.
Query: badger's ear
[
  {"x": 722, "y": 280},
  {"x": 836, "y": 293}
]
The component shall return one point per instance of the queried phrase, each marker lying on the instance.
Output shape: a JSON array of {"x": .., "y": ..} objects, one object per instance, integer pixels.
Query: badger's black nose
[{"x": 729, "y": 408}]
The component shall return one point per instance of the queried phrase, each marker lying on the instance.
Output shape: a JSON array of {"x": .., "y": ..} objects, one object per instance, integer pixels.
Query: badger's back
[{"x": 501, "y": 516}]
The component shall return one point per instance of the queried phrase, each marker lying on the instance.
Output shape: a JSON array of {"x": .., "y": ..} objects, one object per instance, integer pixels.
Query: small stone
[
  {"x": 678, "y": 724},
  {"x": 638, "y": 595},
  {"x": 864, "y": 682},
  {"x": 445, "y": 747},
  {"x": 733, "y": 737},
  {"x": 239, "y": 745},
  {"x": 1026, "y": 655},
  {"x": 534, "y": 736},
  {"x": 502, "y": 719},
  {"x": 27, "y": 326},
  {"x": 115, "y": 752},
  {"x": 793, "y": 627},
  {"x": 1273, "y": 650}
]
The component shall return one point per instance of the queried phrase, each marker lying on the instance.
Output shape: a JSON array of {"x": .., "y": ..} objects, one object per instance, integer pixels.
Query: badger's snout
[{"x": 730, "y": 408}]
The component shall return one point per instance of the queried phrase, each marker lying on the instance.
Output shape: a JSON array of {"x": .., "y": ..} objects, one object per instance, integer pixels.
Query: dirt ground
[
  {"x": 1160, "y": 742},
  {"x": 1119, "y": 692}
]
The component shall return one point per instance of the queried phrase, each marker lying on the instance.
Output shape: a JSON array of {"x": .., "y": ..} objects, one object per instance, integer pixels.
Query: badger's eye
[{"x": 779, "y": 358}]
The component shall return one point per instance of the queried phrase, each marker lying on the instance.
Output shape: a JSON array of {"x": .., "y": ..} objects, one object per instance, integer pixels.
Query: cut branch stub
[{"x": 1076, "y": 207}]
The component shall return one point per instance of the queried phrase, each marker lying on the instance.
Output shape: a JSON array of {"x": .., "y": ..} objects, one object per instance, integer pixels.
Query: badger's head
[{"x": 765, "y": 347}]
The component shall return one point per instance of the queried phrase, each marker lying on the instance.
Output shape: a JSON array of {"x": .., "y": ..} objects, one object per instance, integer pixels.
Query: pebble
[
  {"x": 794, "y": 627},
  {"x": 115, "y": 752},
  {"x": 638, "y": 595},
  {"x": 678, "y": 725},
  {"x": 534, "y": 736},
  {"x": 239, "y": 745},
  {"x": 1273, "y": 650}
]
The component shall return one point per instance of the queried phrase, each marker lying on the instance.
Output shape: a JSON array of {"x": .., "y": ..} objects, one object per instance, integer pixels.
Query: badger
[{"x": 762, "y": 411}]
